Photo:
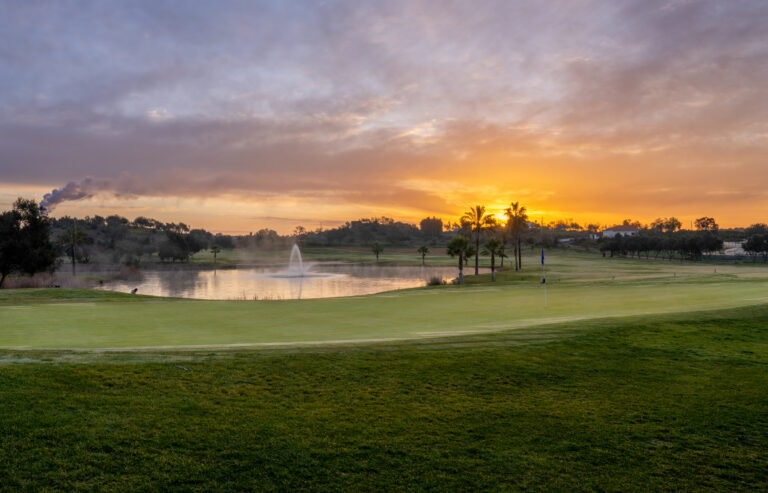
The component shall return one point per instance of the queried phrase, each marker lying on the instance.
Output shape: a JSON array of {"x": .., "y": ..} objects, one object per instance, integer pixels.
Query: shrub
[{"x": 435, "y": 281}]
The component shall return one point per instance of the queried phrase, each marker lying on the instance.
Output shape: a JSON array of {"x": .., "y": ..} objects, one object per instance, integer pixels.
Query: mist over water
[{"x": 260, "y": 284}]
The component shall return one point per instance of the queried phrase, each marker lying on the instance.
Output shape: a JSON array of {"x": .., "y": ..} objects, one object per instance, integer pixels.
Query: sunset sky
[{"x": 235, "y": 116}]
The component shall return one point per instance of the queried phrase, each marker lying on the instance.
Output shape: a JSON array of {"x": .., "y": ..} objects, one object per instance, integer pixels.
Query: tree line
[
  {"x": 30, "y": 241},
  {"x": 118, "y": 240},
  {"x": 367, "y": 231},
  {"x": 691, "y": 245},
  {"x": 663, "y": 237}
]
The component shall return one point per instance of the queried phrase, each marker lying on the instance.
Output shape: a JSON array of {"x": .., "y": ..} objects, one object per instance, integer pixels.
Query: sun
[{"x": 501, "y": 218}]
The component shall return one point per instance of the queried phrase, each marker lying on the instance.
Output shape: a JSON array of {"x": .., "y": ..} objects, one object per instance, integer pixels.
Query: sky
[{"x": 242, "y": 115}]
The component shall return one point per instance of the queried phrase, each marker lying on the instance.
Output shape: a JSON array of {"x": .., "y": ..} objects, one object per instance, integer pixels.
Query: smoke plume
[{"x": 86, "y": 188}]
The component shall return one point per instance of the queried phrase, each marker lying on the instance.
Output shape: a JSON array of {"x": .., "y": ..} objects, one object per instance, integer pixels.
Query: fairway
[
  {"x": 589, "y": 288},
  {"x": 654, "y": 403},
  {"x": 634, "y": 375}
]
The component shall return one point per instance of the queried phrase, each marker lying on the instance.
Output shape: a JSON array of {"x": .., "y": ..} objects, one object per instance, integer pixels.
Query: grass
[
  {"x": 638, "y": 375},
  {"x": 580, "y": 286},
  {"x": 114, "y": 321},
  {"x": 667, "y": 402}
]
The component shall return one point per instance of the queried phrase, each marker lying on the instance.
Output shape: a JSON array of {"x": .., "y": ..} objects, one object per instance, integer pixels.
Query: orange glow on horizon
[{"x": 233, "y": 217}]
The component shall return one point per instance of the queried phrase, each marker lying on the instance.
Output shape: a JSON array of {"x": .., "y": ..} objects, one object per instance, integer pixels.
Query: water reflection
[
  {"x": 295, "y": 286},
  {"x": 256, "y": 284}
]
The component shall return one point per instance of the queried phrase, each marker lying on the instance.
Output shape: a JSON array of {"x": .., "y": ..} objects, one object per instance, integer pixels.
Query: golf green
[{"x": 94, "y": 320}]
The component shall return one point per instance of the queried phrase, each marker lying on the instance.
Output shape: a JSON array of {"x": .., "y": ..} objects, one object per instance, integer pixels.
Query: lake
[{"x": 325, "y": 281}]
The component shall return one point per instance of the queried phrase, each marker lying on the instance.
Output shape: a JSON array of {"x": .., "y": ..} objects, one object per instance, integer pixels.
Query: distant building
[{"x": 620, "y": 230}]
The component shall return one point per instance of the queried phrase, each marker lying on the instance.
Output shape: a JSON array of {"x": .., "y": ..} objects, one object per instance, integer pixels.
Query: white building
[{"x": 620, "y": 230}]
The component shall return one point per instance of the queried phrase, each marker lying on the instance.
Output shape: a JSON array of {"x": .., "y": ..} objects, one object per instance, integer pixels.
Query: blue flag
[{"x": 542, "y": 256}]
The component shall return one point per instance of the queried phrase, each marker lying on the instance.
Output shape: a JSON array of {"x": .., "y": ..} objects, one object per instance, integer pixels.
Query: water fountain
[
  {"x": 297, "y": 268},
  {"x": 293, "y": 265},
  {"x": 296, "y": 280}
]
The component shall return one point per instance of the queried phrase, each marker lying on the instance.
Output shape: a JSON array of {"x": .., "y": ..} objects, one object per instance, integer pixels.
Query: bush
[{"x": 435, "y": 281}]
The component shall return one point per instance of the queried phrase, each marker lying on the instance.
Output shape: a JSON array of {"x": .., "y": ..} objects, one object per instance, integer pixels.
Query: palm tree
[
  {"x": 72, "y": 238},
  {"x": 516, "y": 224},
  {"x": 215, "y": 249},
  {"x": 377, "y": 249},
  {"x": 423, "y": 250},
  {"x": 493, "y": 247},
  {"x": 460, "y": 247},
  {"x": 479, "y": 221}
]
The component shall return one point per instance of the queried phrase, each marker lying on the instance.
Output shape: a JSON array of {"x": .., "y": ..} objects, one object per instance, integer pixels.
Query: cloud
[{"x": 583, "y": 105}]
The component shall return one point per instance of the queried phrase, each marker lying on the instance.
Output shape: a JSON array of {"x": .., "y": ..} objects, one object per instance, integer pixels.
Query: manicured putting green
[{"x": 80, "y": 319}]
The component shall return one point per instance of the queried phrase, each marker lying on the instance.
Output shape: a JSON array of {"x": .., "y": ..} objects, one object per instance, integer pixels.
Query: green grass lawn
[
  {"x": 114, "y": 321},
  {"x": 581, "y": 286},
  {"x": 672, "y": 402},
  {"x": 636, "y": 376}
]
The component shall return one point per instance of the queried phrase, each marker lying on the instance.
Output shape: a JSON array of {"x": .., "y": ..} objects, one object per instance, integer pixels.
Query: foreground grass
[{"x": 673, "y": 402}]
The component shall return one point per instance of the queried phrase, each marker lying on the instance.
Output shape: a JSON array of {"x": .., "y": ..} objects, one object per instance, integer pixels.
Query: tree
[
  {"x": 666, "y": 225},
  {"x": 757, "y": 244},
  {"x": 493, "y": 247},
  {"x": 517, "y": 223},
  {"x": 673, "y": 224},
  {"x": 710, "y": 241},
  {"x": 460, "y": 247},
  {"x": 377, "y": 249},
  {"x": 25, "y": 244},
  {"x": 757, "y": 229},
  {"x": 706, "y": 224},
  {"x": 215, "y": 249},
  {"x": 224, "y": 241},
  {"x": 503, "y": 253},
  {"x": 175, "y": 247},
  {"x": 423, "y": 250},
  {"x": 10, "y": 244},
  {"x": 166, "y": 251},
  {"x": 630, "y": 222},
  {"x": 478, "y": 220},
  {"x": 299, "y": 233},
  {"x": 72, "y": 238},
  {"x": 431, "y": 226}
]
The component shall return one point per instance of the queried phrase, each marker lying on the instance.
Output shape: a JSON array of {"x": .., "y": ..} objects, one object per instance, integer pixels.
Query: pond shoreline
[{"x": 323, "y": 280}]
